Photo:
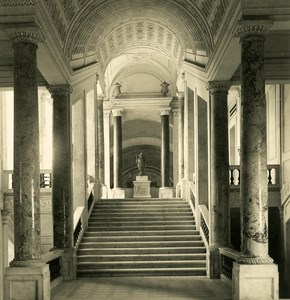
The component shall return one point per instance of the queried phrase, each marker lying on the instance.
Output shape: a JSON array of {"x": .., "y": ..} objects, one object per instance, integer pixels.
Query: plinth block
[
  {"x": 118, "y": 193},
  {"x": 27, "y": 283},
  {"x": 165, "y": 192},
  {"x": 142, "y": 187},
  {"x": 259, "y": 282}
]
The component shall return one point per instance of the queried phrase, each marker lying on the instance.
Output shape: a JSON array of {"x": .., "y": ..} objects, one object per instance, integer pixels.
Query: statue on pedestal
[{"x": 141, "y": 163}]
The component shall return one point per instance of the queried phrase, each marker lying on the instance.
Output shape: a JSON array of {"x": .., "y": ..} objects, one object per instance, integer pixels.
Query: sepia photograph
[{"x": 144, "y": 149}]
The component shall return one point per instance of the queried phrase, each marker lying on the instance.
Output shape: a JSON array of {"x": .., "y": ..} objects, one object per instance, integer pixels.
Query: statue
[{"x": 141, "y": 163}]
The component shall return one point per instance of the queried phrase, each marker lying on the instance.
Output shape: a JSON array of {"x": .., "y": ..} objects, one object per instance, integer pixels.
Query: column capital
[
  {"x": 117, "y": 112},
  {"x": 60, "y": 90},
  {"x": 219, "y": 86},
  {"x": 27, "y": 36},
  {"x": 165, "y": 111},
  {"x": 253, "y": 28}
]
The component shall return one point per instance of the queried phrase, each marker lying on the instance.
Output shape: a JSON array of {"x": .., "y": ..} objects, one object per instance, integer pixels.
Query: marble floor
[{"x": 142, "y": 288}]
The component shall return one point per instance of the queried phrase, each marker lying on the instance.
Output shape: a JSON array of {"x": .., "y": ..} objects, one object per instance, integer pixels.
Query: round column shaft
[
  {"x": 100, "y": 127},
  {"x": 181, "y": 140},
  {"x": 117, "y": 148},
  {"x": 165, "y": 151},
  {"x": 254, "y": 185},
  {"x": 62, "y": 168},
  {"x": 219, "y": 199},
  {"x": 26, "y": 185}
]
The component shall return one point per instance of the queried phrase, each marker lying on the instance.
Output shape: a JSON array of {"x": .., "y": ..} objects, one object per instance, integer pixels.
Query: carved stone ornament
[
  {"x": 117, "y": 90},
  {"x": 253, "y": 27},
  {"x": 244, "y": 260},
  {"x": 26, "y": 37},
  {"x": 164, "y": 88},
  {"x": 219, "y": 86},
  {"x": 60, "y": 90}
]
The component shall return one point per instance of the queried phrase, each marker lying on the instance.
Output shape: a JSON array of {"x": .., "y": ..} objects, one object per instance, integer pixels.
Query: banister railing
[
  {"x": 204, "y": 222},
  {"x": 228, "y": 257},
  {"x": 53, "y": 259},
  {"x": 272, "y": 175}
]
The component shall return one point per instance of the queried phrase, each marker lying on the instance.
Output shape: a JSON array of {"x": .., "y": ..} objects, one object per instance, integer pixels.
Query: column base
[
  {"x": 29, "y": 282},
  {"x": 178, "y": 190},
  {"x": 259, "y": 282},
  {"x": 69, "y": 264},
  {"x": 165, "y": 192},
  {"x": 118, "y": 193}
]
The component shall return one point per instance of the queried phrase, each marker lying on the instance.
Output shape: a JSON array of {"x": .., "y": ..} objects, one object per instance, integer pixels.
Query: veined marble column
[
  {"x": 62, "y": 203},
  {"x": 27, "y": 266},
  {"x": 100, "y": 146},
  {"x": 118, "y": 191},
  {"x": 181, "y": 139},
  {"x": 219, "y": 152},
  {"x": 165, "y": 190},
  {"x": 107, "y": 148},
  {"x": 254, "y": 267},
  {"x": 62, "y": 167}
]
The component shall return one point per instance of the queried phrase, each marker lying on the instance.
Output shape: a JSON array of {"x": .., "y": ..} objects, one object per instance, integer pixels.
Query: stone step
[
  {"x": 143, "y": 272},
  {"x": 141, "y": 227},
  {"x": 137, "y": 251},
  {"x": 141, "y": 222},
  {"x": 157, "y": 238},
  {"x": 141, "y": 257},
  {"x": 153, "y": 213},
  {"x": 140, "y": 218},
  {"x": 139, "y": 244},
  {"x": 142, "y": 264},
  {"x": 90, "y": 232},
  {"x": 141, "y": 210}
]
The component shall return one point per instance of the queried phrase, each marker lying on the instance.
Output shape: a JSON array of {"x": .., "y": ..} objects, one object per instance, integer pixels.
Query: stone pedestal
[
  {"x": 165, "y": 192},
  {"x": 255, "y": 282},
  {"x": 69, "y": 264},
  {"x": 142, "y": 187},
  {"x": 118, "y": 193},
  {"x": 27, "y": 283}
]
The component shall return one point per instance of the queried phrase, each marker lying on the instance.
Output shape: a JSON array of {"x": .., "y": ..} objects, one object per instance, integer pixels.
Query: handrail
[
  {"x": 53, "y": 259},
  {"x": 204, "y": 221},
  {"x": 80, "y": 223},
  {"x": 228, "y": 257}
]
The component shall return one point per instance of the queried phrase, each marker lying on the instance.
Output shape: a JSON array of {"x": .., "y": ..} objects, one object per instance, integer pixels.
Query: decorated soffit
[{"x": 107, "y": 27}]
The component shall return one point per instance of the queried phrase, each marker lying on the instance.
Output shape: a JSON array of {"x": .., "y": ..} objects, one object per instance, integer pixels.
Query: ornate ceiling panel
[{"x": 184, "y": 20}]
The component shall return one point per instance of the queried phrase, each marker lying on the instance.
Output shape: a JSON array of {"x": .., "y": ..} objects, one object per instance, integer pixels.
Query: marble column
[
  {"x": 165, "y": 190},
  {"x": 62, "y": 203},
  {"x": 254, "y": 267},
  {"x": 107, "y": 150},
  {"x": 118, "y": 191},
  {"x": 100, "y": 147},
  {"x": 27, "y": 262},
  {"x": 219, "y": 175},
  {"x": 181, "y": 139}
]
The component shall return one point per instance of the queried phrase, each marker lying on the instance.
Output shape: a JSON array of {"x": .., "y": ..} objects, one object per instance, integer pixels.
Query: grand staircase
[{"x": 149, "y": 237}]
